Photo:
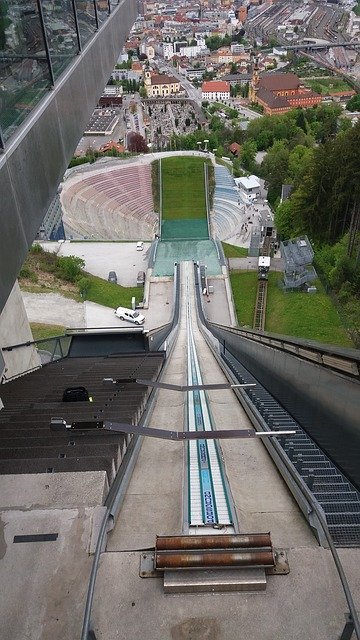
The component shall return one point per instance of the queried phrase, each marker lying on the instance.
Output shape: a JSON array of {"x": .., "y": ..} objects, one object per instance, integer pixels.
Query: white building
[
  {"x": 215, "y": 90},
  {"x": 249, "y": 188},
  {"x": 168, "y": 50},
  {"x": 190, "y": 52}
]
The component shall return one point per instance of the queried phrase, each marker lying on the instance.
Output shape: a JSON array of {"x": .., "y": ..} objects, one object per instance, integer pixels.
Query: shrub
[
  {"x": 69, "y": 268},
  {"x": 27, "y": 274},
  {"x": 36, "y": 248},
  {"x": 84, "y": 286}
]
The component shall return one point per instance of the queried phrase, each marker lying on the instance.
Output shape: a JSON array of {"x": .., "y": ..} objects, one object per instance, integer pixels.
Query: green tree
[
  {"x": 298, "y": 165},
  {"x": 69, "y": 268},
  {"x": 354, "y": 103},
  {"x": 275, "y": 169},
  {"x": 247, "y": 155}
]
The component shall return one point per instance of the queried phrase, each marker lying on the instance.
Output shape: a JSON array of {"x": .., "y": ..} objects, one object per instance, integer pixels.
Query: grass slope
[
  {"x": 309, "y": 316},
  {"x": 109, "y": 294},
  {"x": 244, "y": 284},
  {"x": 232, "y": 251},
  {"x": 183, "y": 188},
  {"x": 41, "y": 331}
]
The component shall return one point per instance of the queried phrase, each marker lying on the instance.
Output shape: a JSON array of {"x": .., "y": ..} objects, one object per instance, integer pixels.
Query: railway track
[
  {"x": 260, "y": 306},
  {"x": 261, "y": 293}
]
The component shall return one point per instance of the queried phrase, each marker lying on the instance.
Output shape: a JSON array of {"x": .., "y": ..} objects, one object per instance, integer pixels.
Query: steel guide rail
[{"x": 208, "y": 499}]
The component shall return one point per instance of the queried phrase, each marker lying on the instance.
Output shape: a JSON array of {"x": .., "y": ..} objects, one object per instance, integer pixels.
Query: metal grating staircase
[{"x": 338, "y": 498}]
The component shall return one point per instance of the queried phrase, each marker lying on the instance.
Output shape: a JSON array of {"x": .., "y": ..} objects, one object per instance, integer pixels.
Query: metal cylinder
[
  {"x": 215, "y": 558},
  {"x": 240, "y": 541}
]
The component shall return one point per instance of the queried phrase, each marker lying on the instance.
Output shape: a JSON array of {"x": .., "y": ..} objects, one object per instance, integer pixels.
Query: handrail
[
  {"x": 29, "y": 343},
  {"x": 340, "y": 359}
]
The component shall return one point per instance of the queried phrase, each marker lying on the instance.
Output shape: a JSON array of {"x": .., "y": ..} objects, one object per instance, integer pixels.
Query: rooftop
[
  {"x": 280, "y": 81},
  {"x": 251, "y": 182},
  {"x": 215, "y": 86}
]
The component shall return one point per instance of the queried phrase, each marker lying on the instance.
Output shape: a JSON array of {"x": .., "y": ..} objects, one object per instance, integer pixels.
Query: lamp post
[{"x": 206, "y": 144}]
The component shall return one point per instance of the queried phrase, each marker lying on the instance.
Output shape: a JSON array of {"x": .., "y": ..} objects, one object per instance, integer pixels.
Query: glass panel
[
  {"x": 61, "y": 33},
  {"x": 102, "y": 10},
  {"x": 24, "y": 73},
  {"x": 86, "y": 19}
]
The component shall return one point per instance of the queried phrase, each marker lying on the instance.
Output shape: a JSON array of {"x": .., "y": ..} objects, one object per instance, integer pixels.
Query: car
[
  {"x": 112, "y": 277},
  {"x": 130, "y": 315},
  {"x": 140, "y": 280},
  {"x": 139, "y": 246}
]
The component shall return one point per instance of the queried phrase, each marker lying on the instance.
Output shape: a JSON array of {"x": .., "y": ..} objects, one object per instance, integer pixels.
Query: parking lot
[{"x": 102, "y": 257}]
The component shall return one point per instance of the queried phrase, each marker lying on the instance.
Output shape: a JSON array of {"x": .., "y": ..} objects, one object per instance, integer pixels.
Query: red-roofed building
[
  {"x": 235, "y": 149},
  {"x": 280, "y": 92},
  {"x": 215, "y": 90},
  {"x": 108, "y": 146}
]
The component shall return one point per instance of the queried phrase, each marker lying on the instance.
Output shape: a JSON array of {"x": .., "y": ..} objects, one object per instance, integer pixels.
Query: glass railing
[{"x": 38, "y": 40}]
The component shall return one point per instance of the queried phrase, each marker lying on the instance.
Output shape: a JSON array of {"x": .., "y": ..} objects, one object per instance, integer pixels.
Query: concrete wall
[
  {"x": 15, "y": 329},
  {"x": 37, "y": 156},
  {"x": 324, "y": 402}
]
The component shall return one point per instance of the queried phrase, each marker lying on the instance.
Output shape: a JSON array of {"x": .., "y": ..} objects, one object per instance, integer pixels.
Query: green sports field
[{"x": 183, "y": 188}]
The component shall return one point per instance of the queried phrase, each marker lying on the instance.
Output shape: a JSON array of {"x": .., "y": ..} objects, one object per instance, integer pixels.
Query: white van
[
  {"x": 130, "y": 315},
  {"x": 139, "y": 246}
]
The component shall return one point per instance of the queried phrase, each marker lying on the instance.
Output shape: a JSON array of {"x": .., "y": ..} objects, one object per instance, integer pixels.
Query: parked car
[
  {"x": 130, "y": 315},
  {"x": 139, "y": 246},
  {"x": 140, "y": 280},
  {"x": 112, "y": 277}
]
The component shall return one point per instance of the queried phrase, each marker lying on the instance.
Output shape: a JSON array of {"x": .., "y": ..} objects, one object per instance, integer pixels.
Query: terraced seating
[
  {"x": 28, "y": 445},
  {"x": 114, "y": 203},
  {"x": 228, "y": 215}
]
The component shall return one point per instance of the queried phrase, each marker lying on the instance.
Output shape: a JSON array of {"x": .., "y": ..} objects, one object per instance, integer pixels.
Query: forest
[{"x": 317, "y": 152}]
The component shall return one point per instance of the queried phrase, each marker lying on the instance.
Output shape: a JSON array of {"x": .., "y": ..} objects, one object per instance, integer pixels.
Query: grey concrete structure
[
  {"x": 15, "y": 329},
  {"x": 36, "y": 158},
  {"x": 46, "y": 581}
]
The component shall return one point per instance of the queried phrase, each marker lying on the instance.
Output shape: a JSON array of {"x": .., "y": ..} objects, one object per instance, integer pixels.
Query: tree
[
  {"x": 299, "y": 162},
  {"x": 275, "y": 169},
  {"x": 247, "y": 155},
  {"x": 354, "y": 103},
  {"x": 136, "y": 142}
]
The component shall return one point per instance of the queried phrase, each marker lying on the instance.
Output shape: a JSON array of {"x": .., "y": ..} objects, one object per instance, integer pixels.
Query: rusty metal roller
[
  {"x": 239, "y": 541},
  {"x": 215, "y": 558}
]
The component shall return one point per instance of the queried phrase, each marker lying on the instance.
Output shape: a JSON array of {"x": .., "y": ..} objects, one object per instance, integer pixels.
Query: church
[{"x": 280, "y": 92}]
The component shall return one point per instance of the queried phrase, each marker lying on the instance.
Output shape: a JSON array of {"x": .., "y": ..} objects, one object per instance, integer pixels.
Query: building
[
  {"x": 161, "y": 85},
  {"x": 280, "y": 92},
  {"x": 235, "y": 149},
  {"x": 249, "y": 188},
  {"x": 215, "y": 90}
]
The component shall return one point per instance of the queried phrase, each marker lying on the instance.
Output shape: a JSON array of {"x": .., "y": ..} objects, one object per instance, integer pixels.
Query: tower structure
[{"x": 254, "y": 84}]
